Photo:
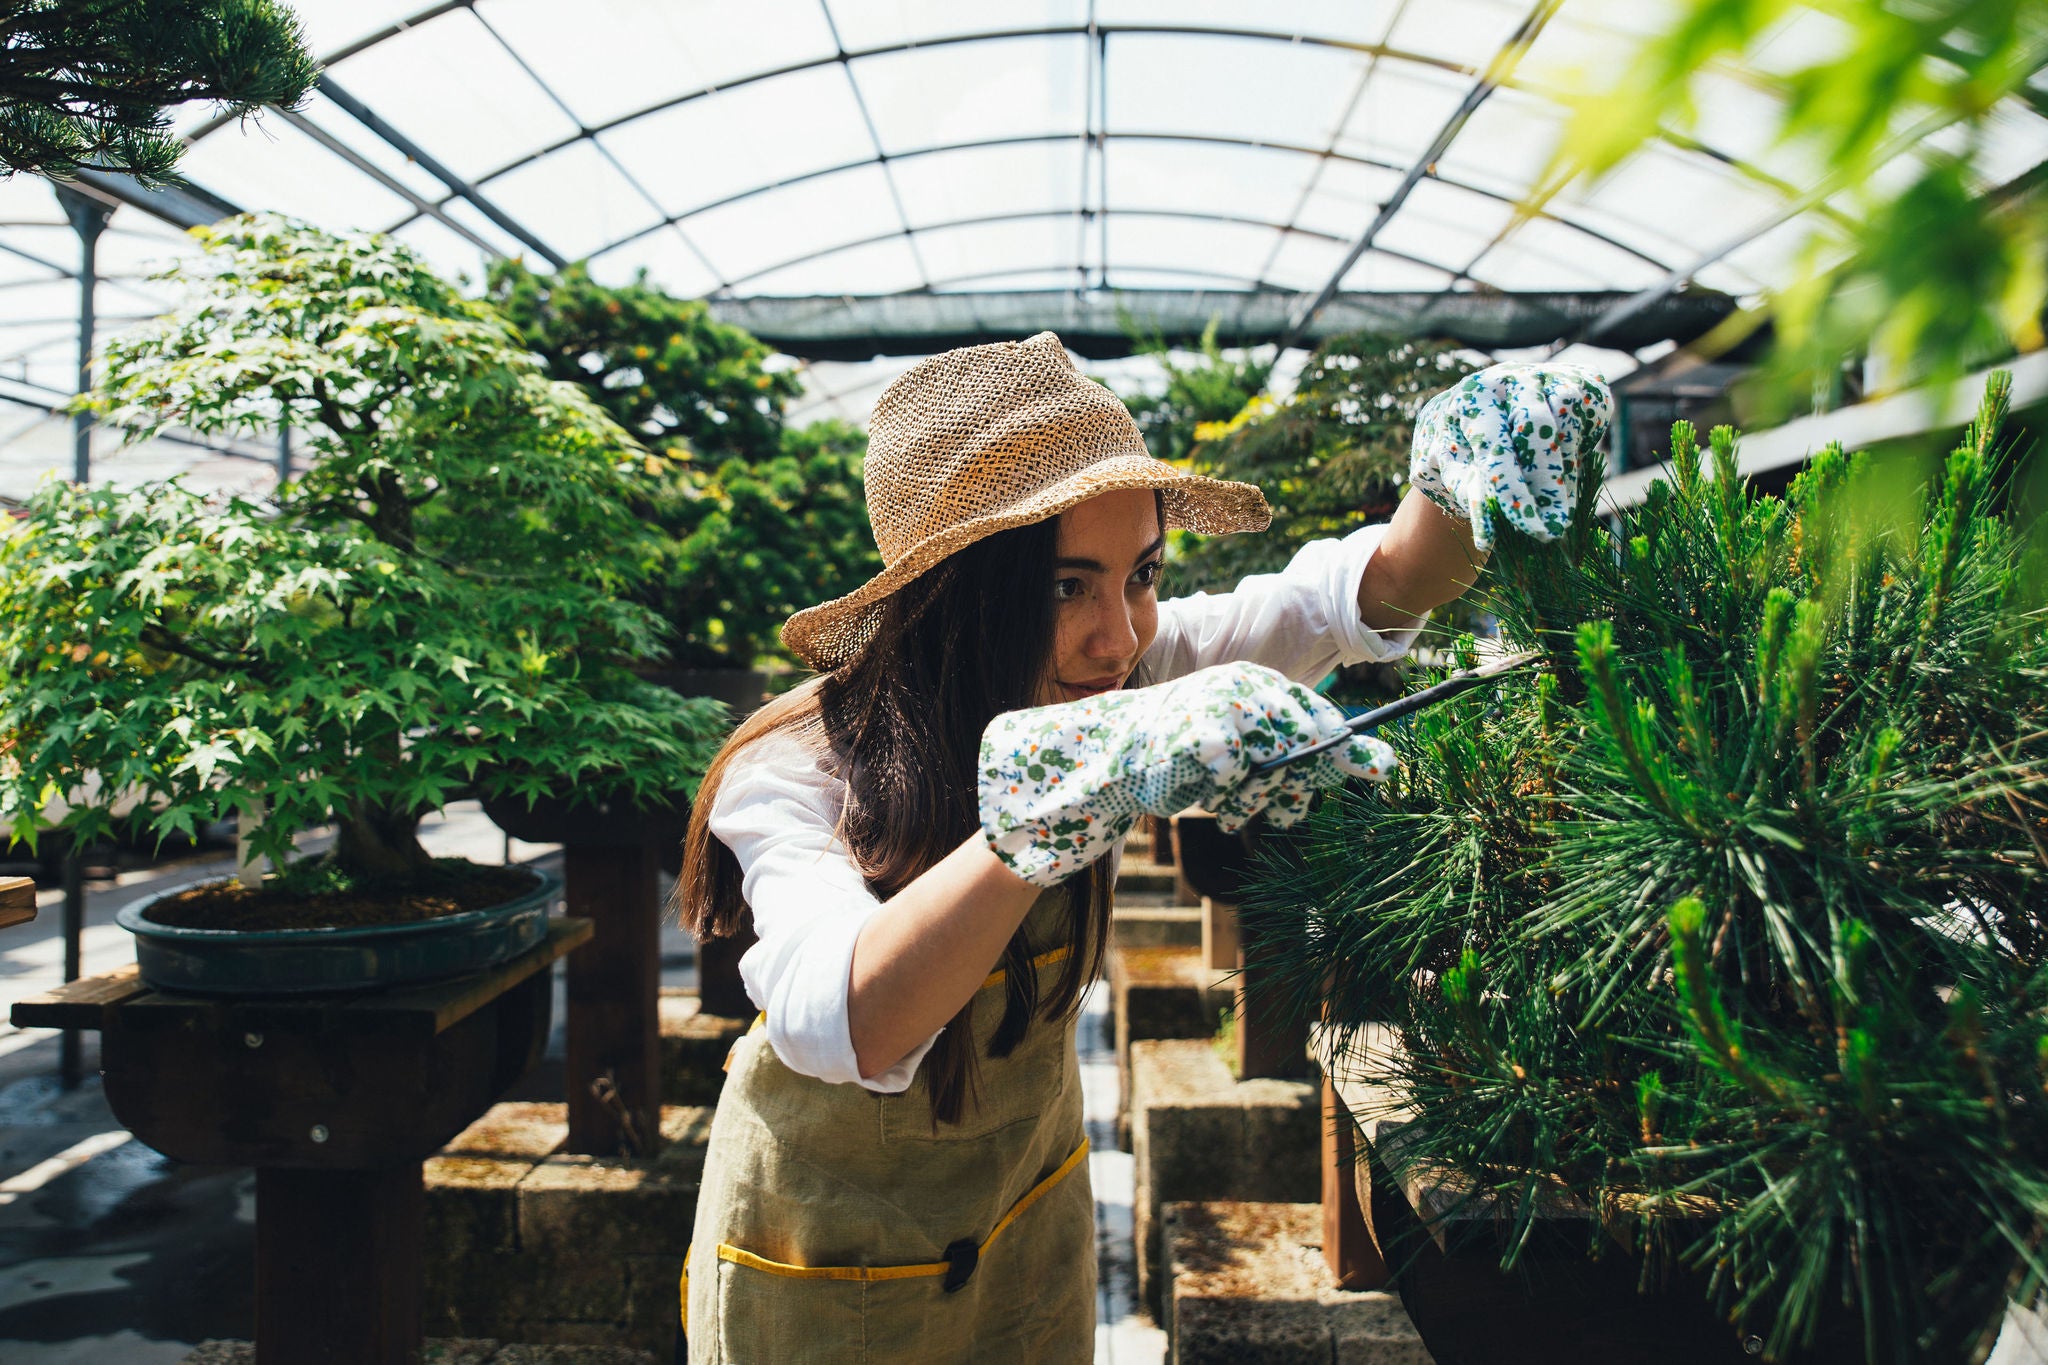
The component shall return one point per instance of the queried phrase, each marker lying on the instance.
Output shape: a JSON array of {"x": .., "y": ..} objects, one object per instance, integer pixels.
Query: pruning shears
[{"x": 1464, "y": 680}]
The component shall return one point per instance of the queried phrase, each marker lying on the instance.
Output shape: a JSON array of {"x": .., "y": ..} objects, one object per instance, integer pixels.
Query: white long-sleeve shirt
[{"x": 777, "y": 809}]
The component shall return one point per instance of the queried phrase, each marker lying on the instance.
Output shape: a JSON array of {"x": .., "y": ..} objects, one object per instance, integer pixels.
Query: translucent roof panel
[
  {"x": 451, "y": 86},
  {"x": 1343, "y": 21},
  {"x": 979, "y": 182},
  {"x": 613, "y": 58},
  {"x": 1199, "y": 177},
  {"x": 1292, "y": 93},
  {"x": 578, "y": 199},
  {"x": 962, "y": 92},
  {"x": 1055, "y": 157},
  {"x": 708, "y": 149}
]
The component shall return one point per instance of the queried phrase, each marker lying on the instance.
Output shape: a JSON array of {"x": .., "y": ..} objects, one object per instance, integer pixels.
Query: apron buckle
[{"x": 961, "y": 1258}]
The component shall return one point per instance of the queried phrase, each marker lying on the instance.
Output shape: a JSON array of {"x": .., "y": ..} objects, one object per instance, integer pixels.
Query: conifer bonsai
[
  {"x": 84, "y": 84},
  {"x": 432, "y": 610},
  {"x": 1730, "y": 923}
]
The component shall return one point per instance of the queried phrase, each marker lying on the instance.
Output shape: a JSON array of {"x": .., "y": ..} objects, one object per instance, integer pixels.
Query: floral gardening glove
[
  {"x": 1061, "y": 784},
  {"x": 1509, "y": 442}
]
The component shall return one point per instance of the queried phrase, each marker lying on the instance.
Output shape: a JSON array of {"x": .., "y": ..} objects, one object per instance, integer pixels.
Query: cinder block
[
  {"x": 589, "y": 1244},
  {"x": 1155, "y": 926},
  {"x": 1250, "y": 1287},
  {"x": 694, "y": 1046},
  {"x": 1160, "y": 993},
  {"x": 1198, "y": 1133}
]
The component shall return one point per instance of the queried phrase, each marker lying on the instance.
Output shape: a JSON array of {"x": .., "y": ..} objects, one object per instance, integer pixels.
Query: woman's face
[{"x": 1106, "y": 563}]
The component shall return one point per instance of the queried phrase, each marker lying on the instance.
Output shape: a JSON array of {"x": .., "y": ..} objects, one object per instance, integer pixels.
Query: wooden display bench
[
  {"x": 17, "y": 901},
  {"x": 335, "y": 1100},
  {"x": 1440, "y": 1245}
]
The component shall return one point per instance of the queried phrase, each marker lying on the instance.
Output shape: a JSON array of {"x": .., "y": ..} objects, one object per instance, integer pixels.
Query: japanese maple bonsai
[
  {"x": 433, "y": 609},
  {"x": 1729, "y": 925}
]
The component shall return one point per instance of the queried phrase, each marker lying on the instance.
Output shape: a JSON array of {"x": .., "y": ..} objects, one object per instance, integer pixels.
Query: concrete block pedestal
[
  {"x": 1198, "y": 1133},
  {"x": 527, "y": 1243},
  {"x": 694, "y": 1046},
  {"x": 1250, "y": 1288},
  {"x": 453, "y": 1351}
]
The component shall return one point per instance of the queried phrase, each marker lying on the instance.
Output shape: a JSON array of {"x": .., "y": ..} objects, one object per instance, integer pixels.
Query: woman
[{"x": 897, "y": 1165}]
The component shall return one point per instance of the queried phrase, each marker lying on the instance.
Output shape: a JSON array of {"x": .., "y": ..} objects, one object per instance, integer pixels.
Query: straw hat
[{"x": 978, "y": 440}]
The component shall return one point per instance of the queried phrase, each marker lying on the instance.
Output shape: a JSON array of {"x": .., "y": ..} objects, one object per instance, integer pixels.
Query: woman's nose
[{"x": 1113, "y": 637}]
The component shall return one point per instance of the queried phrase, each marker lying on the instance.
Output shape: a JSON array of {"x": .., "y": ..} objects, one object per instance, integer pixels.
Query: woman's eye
[
  {"x": 1148, "y": 574},
  {"x": 1066, "y": 589}
]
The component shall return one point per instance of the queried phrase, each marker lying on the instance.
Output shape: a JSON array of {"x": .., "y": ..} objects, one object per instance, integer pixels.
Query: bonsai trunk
[{"x": 379, "y": 842}]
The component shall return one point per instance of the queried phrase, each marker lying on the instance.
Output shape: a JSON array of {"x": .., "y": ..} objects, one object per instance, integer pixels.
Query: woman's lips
[{"x": 1092, "y": 688}]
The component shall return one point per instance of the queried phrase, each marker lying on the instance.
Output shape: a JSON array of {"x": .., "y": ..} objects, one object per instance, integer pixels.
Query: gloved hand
[
  {"x": 1510, "y": 441},
  {"x": 1061, "y": 784}
]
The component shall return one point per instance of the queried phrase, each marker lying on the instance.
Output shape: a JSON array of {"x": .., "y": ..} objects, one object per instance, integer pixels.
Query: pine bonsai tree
[
  {"x": 1732, "y": 921},
  {"x": 432, "y": 610},
  {"x": 86, "y": 83}
]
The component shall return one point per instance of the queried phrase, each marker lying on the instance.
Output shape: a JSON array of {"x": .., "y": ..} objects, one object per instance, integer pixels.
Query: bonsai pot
[{"x": 355, "y": 957}]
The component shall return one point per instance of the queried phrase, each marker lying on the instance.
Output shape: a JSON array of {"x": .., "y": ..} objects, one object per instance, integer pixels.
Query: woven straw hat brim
[{"x": 829, "y": 634}]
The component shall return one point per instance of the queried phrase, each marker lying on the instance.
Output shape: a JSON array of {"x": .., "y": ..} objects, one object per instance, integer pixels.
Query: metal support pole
[
  {"x": 284, "y": 447},
  {"x": 70, "y": 1067},
  {"x": 88, "y": 219}
]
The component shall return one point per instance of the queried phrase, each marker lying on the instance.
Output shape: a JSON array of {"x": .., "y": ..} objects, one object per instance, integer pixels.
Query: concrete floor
[{"x": 113, "y": 1255}]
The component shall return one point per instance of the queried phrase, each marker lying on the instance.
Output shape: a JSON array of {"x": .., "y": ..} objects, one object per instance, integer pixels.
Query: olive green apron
[{"x": 835, "y": 1224}]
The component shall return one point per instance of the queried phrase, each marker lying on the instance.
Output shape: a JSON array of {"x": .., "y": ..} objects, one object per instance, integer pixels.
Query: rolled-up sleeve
[
  {"x": 778, "y": 812},
  {"x": 1302, "y": 621}
]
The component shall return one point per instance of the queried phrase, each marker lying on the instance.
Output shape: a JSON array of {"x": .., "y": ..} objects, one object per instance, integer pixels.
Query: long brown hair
[{"x": 901, "y": 725}]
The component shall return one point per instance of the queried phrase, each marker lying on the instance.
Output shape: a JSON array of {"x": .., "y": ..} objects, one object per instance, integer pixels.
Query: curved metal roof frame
[{"x": 1497, "y": 73}]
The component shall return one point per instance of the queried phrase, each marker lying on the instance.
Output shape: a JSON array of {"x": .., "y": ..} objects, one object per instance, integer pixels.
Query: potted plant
[
  {"x": 1728, "y": 928},
  {"x": 752, "y": 519},
  {"x": 431, "y": 610}
]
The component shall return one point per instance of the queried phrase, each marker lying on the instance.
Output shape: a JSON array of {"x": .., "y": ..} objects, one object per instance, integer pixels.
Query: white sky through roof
[{"x": 860, "y": 147}]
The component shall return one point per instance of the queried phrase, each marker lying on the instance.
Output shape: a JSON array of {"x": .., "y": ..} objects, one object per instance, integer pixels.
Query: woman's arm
[
  {"x": 927, "y": 950},
  {"x": 1425, "y": 559}
]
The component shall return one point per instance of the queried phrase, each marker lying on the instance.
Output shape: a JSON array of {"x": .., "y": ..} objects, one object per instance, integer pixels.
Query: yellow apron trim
[
  {"x": 684, "y": 1292},
  {"x": 760, "y": 1022},
  {"x": 871, "y": 1273},
  {"x": 1002, "y": 974},
  {"x": 996, "y": 978}
]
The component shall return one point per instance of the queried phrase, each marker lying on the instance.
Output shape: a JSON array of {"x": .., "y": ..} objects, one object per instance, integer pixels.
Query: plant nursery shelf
[{"x": 335, "y": 1100}]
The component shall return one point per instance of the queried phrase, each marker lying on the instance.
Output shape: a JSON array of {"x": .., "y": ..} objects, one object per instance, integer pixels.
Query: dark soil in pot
[{"x": 450, "y": 887}]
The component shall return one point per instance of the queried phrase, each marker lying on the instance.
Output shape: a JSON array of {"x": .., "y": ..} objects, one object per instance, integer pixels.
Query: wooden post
[
  {"x": 1348, "y": 1248},
  {"x": 1272, "y": 1040},
  {"x": 339, "y": 1266},
  {"x": 719, "y": 988},
  {"x": 70, "y": 1055},
  {"x": 613, "y": 1063},
  {"x": 1219, "y": 935}
]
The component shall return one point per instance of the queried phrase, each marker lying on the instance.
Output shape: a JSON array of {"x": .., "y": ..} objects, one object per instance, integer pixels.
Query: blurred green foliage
[
  {"x": 1933, "y": 267},
  {"x": 1331, "y": 457},
  {"x": 752, "y": 519}
]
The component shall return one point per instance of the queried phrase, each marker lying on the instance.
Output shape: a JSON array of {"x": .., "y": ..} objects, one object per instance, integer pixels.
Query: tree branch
[{"x": 157, "y": 637}]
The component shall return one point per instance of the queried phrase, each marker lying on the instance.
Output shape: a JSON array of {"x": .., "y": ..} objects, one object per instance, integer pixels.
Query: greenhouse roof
[{"x": 854, "y": 179}]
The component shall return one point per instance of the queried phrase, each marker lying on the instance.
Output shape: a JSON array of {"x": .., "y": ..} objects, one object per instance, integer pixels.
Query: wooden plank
[
  {"x": 78, "y": 1004},
  {"x": 17, "y": 901},
  {"x": 1348, "y": 1246},
  {"x": 439, "y": 1004}
]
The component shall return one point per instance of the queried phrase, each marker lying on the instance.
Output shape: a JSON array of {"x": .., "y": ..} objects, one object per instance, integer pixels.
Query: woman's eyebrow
[{"x": 1095, "y": 566}]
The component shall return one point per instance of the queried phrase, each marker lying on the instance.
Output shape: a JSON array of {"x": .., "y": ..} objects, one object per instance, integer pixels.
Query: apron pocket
[{"x": 772, "y": 1311}]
